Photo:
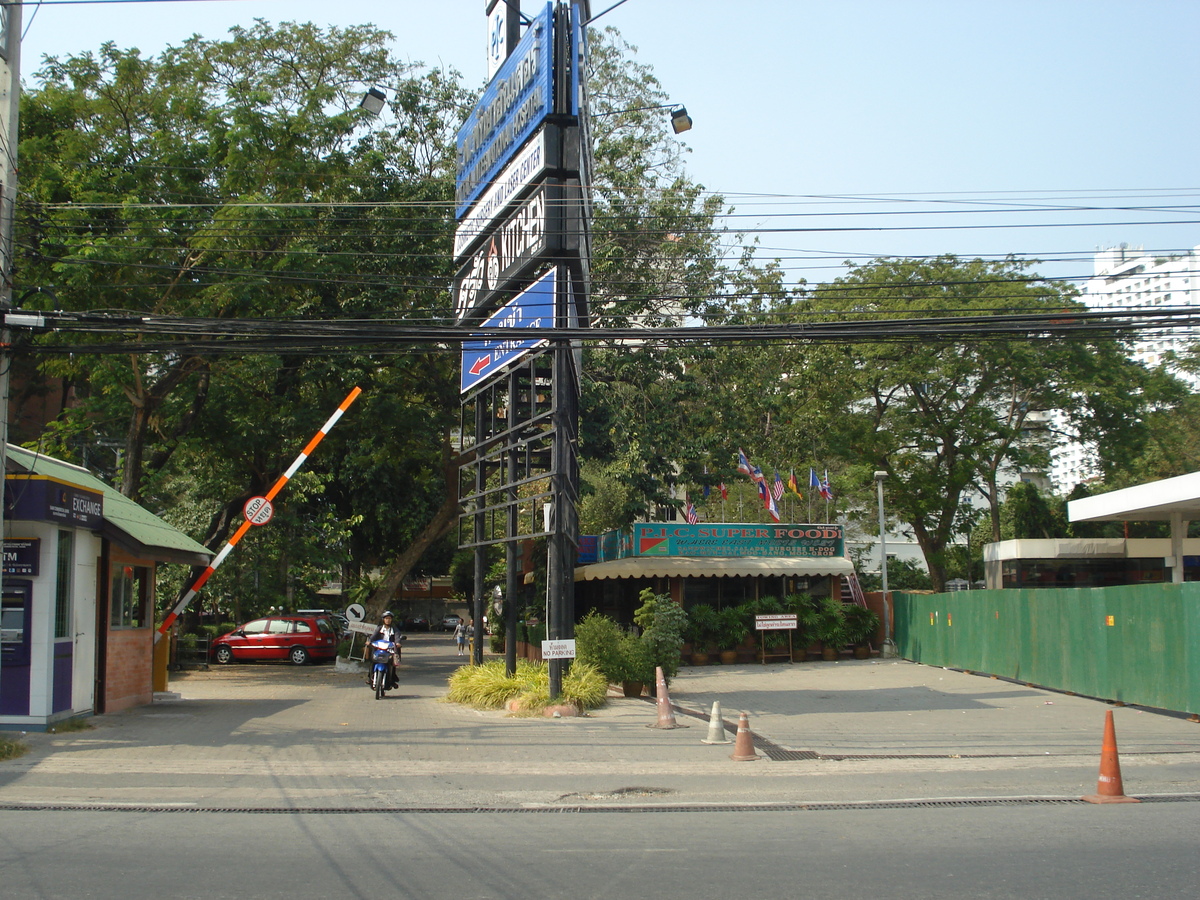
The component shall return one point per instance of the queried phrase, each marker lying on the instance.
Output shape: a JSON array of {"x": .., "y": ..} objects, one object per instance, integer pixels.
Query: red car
[{"x": 295, "y": 638}]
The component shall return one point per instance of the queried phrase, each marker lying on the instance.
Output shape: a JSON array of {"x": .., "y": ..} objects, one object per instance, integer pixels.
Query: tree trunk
[{"x": 438, "y": 527}]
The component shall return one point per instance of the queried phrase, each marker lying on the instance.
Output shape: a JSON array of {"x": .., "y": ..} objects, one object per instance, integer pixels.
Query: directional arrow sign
[{"x": 532, "y": 308}]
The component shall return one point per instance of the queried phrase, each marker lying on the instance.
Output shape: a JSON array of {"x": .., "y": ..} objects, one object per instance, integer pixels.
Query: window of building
[
  {"x": 130, "y": 597},
  {"x": 64, "y": 585}
]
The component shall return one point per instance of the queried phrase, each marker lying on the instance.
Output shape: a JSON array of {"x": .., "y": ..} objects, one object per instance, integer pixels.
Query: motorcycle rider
[{"x": 386, "y": 631}]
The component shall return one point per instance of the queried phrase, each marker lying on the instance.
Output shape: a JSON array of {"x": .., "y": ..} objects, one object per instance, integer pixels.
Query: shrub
[
  {"x": 635, "y": 660},
  {"x": 663, "y": 622},
  {"x": 487, "y": 687},
  {"x": 11, "y": 749},
  {"x": 598, "y": 643}
]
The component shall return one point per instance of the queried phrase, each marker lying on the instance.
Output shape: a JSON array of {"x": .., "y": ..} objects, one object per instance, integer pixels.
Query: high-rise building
[{"x": 1130, "y": 278}]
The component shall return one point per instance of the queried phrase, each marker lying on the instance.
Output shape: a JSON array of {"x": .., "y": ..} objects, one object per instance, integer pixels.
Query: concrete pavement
[{"x": 272, "y": 736}]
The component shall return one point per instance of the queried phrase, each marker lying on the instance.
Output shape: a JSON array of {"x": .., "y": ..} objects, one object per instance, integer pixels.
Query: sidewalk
[{"x": 267, "y": 736}]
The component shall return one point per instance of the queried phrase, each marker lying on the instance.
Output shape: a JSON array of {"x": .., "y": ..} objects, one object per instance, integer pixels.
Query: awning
[{"x": 714, "y": 567}]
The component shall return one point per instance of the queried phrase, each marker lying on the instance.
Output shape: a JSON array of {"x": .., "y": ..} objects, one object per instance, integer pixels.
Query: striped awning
[{"x": 714, "y": 567}]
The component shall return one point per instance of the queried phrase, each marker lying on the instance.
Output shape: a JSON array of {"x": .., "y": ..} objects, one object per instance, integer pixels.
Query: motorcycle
[{"x": 382, "y": 653}]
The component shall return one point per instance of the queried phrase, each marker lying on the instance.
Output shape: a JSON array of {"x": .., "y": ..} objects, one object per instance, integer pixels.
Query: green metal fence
[{"x": 1136, "y": 643}]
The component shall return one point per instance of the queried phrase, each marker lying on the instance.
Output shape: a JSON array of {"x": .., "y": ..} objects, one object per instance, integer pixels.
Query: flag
[
  {"x": 825, "y": 491},
  {"x": 743, "y": 465},
  {"x": 771, "y": 508},
  {"x": 777, "y": 487},
  {"x": 724, "y": 491},
  {"x": 689, "y": 511},
  {"x": 756, "y": 474},
  {"x": 793, "y": 484},
  {"x": 763, "y": 494},
  {"x": 813, "y": 480},
  {"x": 706, "y": 491}
]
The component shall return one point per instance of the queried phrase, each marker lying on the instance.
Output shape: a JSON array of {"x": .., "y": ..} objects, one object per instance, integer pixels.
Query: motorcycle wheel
[{"x": 380, "y": 682}]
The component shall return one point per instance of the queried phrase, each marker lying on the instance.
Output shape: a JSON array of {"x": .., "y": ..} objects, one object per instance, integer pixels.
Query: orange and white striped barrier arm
[{"x": 245, "y": 526}]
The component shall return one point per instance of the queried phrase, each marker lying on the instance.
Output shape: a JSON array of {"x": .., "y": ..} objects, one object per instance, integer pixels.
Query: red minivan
[{"x": 295, "y": 638}]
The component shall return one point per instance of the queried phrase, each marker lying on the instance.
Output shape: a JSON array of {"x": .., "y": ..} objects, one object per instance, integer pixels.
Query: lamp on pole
[{"x": 888, "y": 650}]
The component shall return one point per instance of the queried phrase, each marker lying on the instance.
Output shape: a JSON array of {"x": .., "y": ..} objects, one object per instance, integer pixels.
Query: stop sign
[{"x": 258, "y": 510}]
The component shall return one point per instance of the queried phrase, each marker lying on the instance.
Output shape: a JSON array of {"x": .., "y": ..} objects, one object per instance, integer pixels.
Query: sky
[{"x": 853, "y": 129}]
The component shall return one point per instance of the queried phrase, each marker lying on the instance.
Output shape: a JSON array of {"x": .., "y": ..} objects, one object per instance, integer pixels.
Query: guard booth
[{"x": 77, "y": 593}]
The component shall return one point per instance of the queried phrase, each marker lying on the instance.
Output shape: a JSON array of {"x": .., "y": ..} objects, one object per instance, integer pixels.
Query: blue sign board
[
  {"x": 532, "y": 308},
  {"x": 512, "y": 107}
]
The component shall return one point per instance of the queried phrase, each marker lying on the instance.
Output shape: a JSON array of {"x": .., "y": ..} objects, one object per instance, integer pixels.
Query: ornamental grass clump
[
  {"x": 487, "y": 687},
  {"x": 11, "y": 749}
]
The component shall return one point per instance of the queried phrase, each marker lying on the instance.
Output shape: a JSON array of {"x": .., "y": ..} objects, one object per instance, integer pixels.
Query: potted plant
[
  {"x": 830, "y": 627},
  {"x": 702, "y": 632},
  {"x": 731, "y": 631},
  {"x": 861, "y": 625},
  {"x": 635, "y": 665},
  {"x": 808, "y": 616},
  {"x": 662, "y": 621}
]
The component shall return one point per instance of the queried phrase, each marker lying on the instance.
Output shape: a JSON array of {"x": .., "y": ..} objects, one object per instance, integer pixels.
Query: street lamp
[{"x": 888, "y": 650}]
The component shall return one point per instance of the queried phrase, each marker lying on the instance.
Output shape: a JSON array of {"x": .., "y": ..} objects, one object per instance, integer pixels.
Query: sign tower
[{"x": 522, "y": 251}]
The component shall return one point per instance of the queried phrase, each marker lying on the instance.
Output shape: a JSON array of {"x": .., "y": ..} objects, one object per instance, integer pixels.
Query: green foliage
[
  {"x": 830, "y": 623},
  {"x": 703, "y": 629},
  {"x": 597, "y": 642},
  {"x": 861, "y": 624},
  {"x": 733, "y": 626},
  {"x": 11, "y": 748},
  {"x": 635, "y": 659},
  {"x": 663, "y": 622},
  {"x": 488, "y": 687}
]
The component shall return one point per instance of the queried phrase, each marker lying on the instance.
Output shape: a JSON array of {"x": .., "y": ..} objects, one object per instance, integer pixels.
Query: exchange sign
[{"x": 533, "y": 308}]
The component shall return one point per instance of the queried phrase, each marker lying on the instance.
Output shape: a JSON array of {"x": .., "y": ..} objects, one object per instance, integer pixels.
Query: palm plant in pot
[
  {"x": 861, "y": 625},
  {"x": 732, "y": 630},
  {"x": 703, "y": 632},
  {"x": 830, "y": 628}
]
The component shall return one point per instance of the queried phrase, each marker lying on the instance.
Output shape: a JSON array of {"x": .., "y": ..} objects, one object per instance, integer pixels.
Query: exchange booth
[
  {"x": 722, "y": 564},
  {"x": 77, "y": 593}
]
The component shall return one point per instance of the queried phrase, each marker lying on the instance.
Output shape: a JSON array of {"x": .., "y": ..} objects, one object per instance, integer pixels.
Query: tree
[
  {"x": 949, "y": 419},
  {"x": 238, "y": 178}
]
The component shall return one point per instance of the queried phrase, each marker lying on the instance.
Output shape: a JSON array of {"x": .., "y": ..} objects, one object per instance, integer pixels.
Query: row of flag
[{"x": 768, "y": 494}]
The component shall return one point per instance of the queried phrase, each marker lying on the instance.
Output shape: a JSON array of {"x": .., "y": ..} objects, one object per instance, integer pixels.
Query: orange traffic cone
[
  {"x": 1110, "y": 789},
  {"x": 666, "y": 714},
  {"x": 743, "y": 748}
]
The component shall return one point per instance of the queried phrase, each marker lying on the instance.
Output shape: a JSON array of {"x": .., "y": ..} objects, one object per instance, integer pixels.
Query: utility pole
[{"x": 10, "y": 104}]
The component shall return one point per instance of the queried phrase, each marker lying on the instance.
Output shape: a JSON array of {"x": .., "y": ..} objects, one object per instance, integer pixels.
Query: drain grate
[{"x": 830, "y": 806}]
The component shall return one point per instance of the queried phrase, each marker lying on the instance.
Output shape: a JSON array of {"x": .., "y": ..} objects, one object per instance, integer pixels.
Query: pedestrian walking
[{"x": 460, "y": 637}]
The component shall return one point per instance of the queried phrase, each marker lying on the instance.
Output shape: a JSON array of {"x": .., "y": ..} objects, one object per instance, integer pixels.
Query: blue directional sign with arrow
[{"x": 532, "y": 308}]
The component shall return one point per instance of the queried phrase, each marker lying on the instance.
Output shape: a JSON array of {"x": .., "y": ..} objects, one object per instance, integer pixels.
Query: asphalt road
[{"x": 999, "y": 852}]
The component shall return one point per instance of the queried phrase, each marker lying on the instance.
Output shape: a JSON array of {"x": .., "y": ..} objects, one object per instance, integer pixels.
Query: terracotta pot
[
  {"x": 830, "y": 653},
  {"x": 699, "y": 658},
  {"x": 728, "y": 657},
  {"x": 632, "y": 688},
  {"x": 862, "y": 651}
]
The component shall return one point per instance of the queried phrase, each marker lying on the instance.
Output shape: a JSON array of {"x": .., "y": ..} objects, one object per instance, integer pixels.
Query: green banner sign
[{"x": 649, "y": 539}]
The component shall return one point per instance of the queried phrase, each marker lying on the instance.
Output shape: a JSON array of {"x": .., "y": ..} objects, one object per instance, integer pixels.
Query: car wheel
[
  {"x": 224, "y": 655},
  {"x": 298, "y": 656}
]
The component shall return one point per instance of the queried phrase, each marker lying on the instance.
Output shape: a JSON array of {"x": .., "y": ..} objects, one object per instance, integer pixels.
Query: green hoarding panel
[{"x": 1135, "y": 643}]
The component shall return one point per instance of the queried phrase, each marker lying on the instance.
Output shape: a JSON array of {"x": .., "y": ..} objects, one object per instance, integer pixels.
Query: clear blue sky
[{"x": 988, "y": 106}]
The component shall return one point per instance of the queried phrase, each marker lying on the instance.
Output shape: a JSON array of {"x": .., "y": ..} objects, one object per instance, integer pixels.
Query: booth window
[
  {"x": 129, "y": 597},
  {"x": 63, "y": 585}
]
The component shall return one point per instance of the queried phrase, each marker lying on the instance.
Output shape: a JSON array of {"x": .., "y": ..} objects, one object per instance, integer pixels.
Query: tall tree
[
  {"x": 946, "y": 419},
  {"x": 239, "y": 178}
]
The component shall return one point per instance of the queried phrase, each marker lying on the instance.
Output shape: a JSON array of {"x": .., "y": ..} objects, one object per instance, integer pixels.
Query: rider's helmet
[{"x": 387, "y": 614}]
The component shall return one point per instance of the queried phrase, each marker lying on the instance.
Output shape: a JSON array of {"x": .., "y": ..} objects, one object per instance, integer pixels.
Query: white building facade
[{"x": 1130, "y": 278}]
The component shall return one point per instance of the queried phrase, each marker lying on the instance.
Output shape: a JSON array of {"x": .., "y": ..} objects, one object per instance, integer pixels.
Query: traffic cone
[
  {"x": 1110, "y": 789},
  {"x": 666, "y": 715},
  {"x": 716, "y": 728},
  {"x": 743, "y": 748}
]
